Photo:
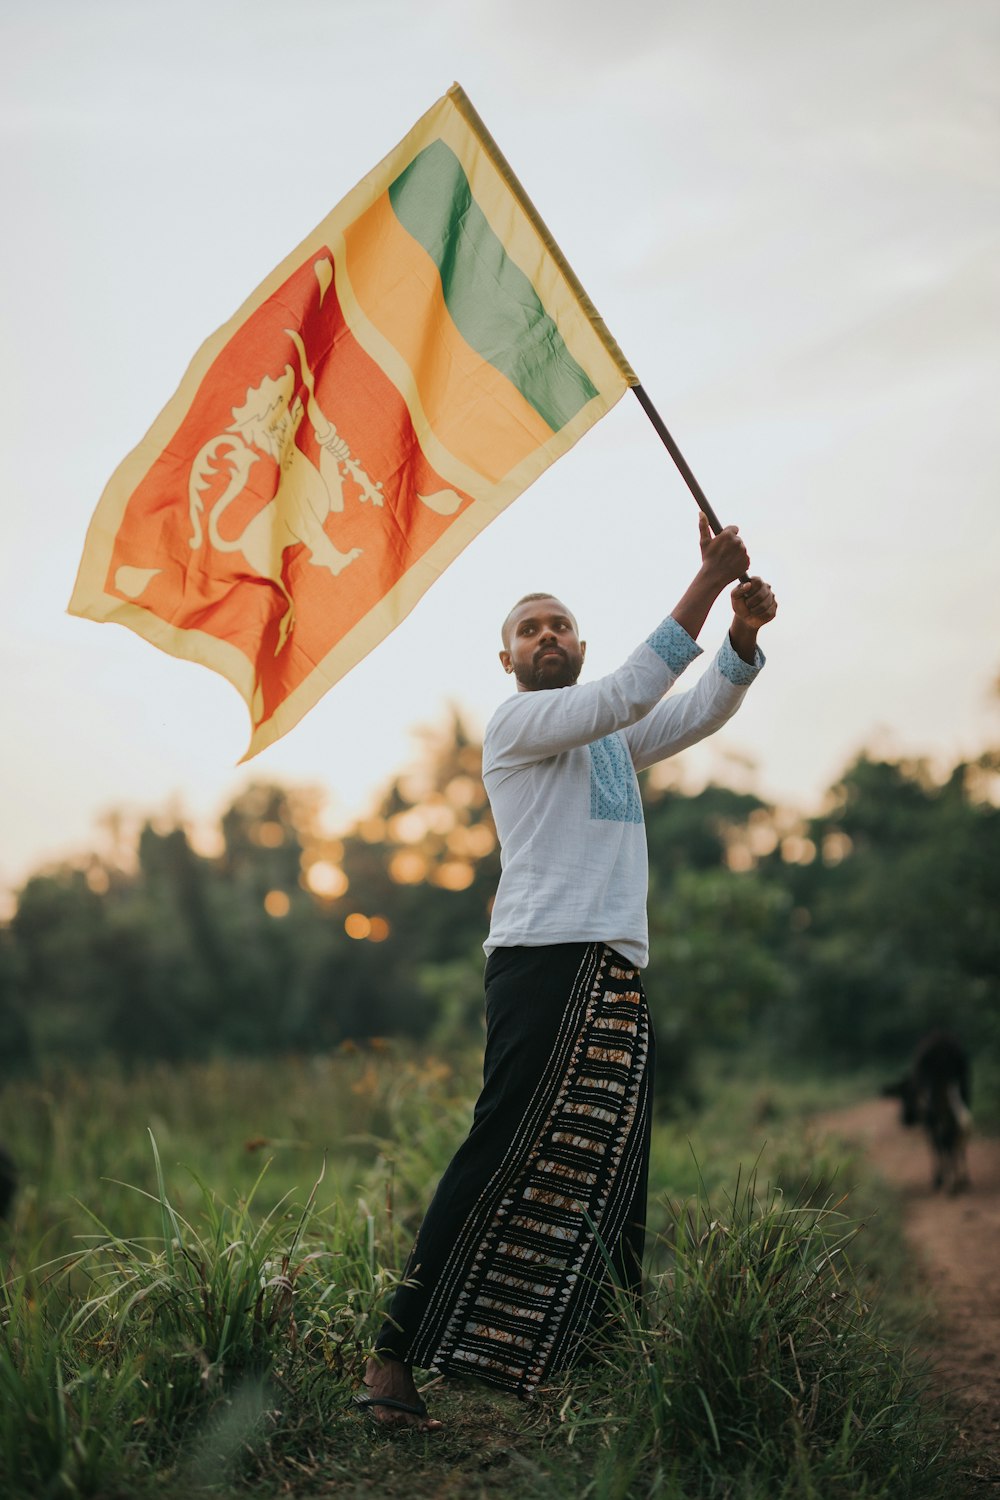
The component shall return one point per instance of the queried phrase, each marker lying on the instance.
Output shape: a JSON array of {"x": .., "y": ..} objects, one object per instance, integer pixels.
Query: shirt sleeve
[
  {"x": 533, "y": 726},
  {"x": 685, "y": 718}
]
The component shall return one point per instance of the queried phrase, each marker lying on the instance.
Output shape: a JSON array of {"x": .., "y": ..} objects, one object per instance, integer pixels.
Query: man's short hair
[{"x": 525, "y": 599}]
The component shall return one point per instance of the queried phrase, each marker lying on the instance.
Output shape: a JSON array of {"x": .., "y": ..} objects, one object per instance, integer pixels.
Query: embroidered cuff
[
  {"x": 732, "y": 666},
  {"x": 673, "y": 645}
]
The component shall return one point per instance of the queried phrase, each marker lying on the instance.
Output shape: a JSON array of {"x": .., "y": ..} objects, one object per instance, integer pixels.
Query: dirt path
[{"x": 956, "y": 1240}]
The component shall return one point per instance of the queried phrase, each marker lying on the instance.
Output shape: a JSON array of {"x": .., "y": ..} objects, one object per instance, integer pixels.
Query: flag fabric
[{"x": 392, "y": 386}]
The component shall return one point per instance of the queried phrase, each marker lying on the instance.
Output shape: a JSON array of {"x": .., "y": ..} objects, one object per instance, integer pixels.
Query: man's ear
[
  {"x": 506, "y": 662},
  {"x": 583, "y": 649}
]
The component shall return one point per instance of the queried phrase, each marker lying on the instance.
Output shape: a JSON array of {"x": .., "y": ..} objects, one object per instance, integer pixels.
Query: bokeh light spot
[{"x": 326, "y": 879}]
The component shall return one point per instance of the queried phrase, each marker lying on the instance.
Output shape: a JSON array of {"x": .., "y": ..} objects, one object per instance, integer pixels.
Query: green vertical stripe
[{"x": 493, "y": 304}]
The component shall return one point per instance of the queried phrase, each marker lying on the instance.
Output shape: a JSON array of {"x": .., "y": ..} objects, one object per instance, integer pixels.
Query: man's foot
[{"x": 391, "y": 1381}]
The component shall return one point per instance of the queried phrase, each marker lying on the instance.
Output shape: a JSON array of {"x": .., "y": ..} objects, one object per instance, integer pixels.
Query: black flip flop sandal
[{"x": 366, "y": 1402}]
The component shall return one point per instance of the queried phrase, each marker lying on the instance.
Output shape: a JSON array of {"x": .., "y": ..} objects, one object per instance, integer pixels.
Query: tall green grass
[
  {"x": 189, "y": 1295},
  {"x": 120, "y": 1358},
  {"x": 761, "y": 1368}
]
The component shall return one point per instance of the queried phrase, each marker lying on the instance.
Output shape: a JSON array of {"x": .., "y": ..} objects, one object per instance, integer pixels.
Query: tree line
[{"x": 839, "y": 938}]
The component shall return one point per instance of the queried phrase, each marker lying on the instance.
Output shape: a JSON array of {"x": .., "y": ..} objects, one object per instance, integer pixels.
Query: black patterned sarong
[{"x": 509, "y": 1273}]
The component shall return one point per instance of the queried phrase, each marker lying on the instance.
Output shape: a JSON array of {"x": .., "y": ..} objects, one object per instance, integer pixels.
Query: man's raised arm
[
  {"x": 539, "y": 723},
  {"x": 685, "y": 718},
  {"x": 724, "y": 558}
]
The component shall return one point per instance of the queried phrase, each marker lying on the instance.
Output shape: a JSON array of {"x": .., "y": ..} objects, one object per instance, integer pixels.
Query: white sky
[{"x": 787, "y": 213}]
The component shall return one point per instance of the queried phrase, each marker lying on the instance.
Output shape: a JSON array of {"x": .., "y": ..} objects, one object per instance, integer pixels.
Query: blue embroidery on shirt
[
  {"x": 673, "y": 645},
  {"x": 732, "y": 666},
  {"x": 614, "y": 791}
]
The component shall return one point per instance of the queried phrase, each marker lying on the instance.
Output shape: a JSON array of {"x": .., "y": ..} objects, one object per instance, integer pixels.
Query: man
[{"x": 508, "y": 1274}]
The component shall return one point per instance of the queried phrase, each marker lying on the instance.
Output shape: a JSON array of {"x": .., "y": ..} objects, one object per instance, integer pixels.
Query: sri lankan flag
[{"x": 395, "y": 383}]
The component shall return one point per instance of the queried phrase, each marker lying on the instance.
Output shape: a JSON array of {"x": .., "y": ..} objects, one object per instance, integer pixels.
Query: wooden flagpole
[{"x": 681, "y": 462}]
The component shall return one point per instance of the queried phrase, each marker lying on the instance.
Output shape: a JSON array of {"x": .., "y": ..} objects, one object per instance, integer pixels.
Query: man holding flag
[
  {"x": 508, "y": 1277},
  {"x": 398, "y": 380}
]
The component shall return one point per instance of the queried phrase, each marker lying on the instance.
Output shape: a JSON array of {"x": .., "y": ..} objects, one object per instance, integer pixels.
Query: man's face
[{"x": 543, "y": 648}]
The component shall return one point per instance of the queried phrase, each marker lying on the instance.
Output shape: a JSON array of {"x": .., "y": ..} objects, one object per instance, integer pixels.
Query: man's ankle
[{"x": 378, "y": 1361}]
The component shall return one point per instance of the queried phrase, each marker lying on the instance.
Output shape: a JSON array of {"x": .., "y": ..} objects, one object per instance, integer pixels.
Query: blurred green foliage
[{"x": 841, "y": 938}]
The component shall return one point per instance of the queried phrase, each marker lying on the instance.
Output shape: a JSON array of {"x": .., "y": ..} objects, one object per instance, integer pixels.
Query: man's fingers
[
  {"x": 766, "y": 607},
  {"x": 760, "y": 602},
  {"x": 753, "y": 587},
  {"x": 756, "y": 598}
]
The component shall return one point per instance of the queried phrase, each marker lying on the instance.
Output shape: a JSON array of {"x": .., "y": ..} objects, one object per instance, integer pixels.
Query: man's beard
[{"x": 552, "y": 671}]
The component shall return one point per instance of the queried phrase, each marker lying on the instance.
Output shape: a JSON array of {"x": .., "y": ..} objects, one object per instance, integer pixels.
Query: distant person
[
  {"x": 507, "y": 1278},
  {"x": 936, "y": 1094},
  {"x": 8, "y": 1183}
]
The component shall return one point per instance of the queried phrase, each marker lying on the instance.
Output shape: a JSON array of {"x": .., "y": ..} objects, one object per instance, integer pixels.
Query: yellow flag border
[{"x": 466, "y": 109}]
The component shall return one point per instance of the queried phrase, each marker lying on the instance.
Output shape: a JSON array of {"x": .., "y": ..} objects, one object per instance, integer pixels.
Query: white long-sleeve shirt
[{"x": 559, "y": 766}]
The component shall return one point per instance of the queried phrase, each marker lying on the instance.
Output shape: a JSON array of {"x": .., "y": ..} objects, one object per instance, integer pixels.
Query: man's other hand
[{"x": 754, "y": 603}]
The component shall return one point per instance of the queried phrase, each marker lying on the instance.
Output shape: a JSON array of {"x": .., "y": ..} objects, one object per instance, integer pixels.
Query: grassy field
[{"x": 200, "y": 1255}]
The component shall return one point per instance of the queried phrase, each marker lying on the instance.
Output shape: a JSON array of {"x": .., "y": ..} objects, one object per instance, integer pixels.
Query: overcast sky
[{"x": 787, "y": 214}]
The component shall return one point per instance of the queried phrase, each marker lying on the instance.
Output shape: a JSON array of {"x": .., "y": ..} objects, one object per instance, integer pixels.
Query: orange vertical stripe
[{"x": 474, "y": 411}]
